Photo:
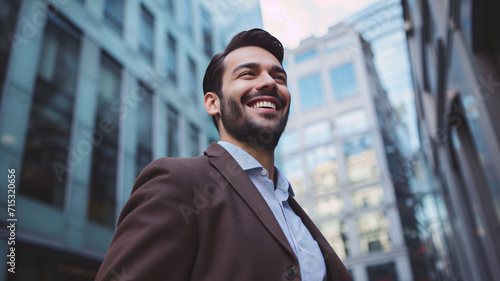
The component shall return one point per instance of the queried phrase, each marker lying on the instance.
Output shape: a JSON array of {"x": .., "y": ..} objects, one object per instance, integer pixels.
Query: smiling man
[{"x": 229, "y": 214}]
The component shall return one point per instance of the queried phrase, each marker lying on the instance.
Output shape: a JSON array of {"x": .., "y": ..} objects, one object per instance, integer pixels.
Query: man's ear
[{"x": 212, "y": 103}]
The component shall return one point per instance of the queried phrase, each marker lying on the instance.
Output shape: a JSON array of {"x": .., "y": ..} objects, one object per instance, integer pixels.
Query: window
[
  {"x": 172, "y": 133},
  {"x": 194, "y": 141},
  {"x": 326, "y": 207},
  {"x": 113, "y": 15},
  {"x": 102, "y": 204},
  {"x": 318, "y": 133},
  {"x": 311, "y": 92},
  {"x": 144, "y": 151},
  {"x": 186, "y": 10},
  {"x": 385, "y": 272},
  {"x": 361, "y": 161},
  {"x": 305, "y": 56},
  {"x": 193, "y": 75},
  {"x": 335, "y": 232},
  {"x": 44, "y": 167},
  {"x": 289, "y": 142},
  {"x": 368, "y": 197},
  {"x": 7, "y": 27},
  {"x": 146, "y": 35},
  {"x": 293, "y": 169},
  {"x": 322, "y": 167},
  {"x": 373, "y": 231},
  {"x": 172, "y": 58},
  {"x": 206, "y": 27},
  {"x": 344, "y": 83},
  {"x": 352, "y": 122},
  {"x": 171, "y": 7}
]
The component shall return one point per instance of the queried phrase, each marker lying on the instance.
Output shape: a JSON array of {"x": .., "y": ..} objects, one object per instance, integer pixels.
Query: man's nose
[{"x": 266, "y": 82}]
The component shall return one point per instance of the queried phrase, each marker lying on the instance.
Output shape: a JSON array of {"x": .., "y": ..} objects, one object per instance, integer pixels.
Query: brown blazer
[{"x": 200, "y": 219}]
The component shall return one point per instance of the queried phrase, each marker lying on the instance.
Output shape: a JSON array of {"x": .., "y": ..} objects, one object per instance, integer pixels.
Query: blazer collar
[
  {"x": 241, "y": 183},
  {"x": 334, "y": 266}
]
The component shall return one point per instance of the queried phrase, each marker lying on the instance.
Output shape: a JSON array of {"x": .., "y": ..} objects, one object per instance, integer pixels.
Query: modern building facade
[
  {"x": 340, "y": 154},
  {"x": 382, "y": 26},
  {"x": 91, "y": 92},
  {"x": 455, "y": 55}
]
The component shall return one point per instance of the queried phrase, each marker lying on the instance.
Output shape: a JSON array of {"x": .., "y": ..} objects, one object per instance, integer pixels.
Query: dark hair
[{"x": 212, "y": 82}]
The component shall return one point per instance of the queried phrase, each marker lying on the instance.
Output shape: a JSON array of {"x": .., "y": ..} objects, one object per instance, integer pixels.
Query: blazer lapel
[
  {"x": 239, "y": 180},
  {"x": 334, "y": 265}
]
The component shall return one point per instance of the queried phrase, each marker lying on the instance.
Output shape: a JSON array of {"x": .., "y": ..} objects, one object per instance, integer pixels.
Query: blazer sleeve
[{"x": 153, "y": 241}]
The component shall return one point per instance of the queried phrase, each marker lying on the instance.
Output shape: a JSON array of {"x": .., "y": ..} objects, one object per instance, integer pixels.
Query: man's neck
[{"x": 264, "y": 157}]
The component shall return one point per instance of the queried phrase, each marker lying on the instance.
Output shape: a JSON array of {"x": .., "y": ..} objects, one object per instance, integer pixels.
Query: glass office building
[
  {"x": 91, "y": 92},
  {"x": 455, "y": 57},
  {"x": 340, "y": 153}
]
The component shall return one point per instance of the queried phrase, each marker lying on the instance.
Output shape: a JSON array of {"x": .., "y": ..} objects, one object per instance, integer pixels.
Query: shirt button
[
  {"x": 263, "y": 172},
  {"x": 291, "y": 272}
]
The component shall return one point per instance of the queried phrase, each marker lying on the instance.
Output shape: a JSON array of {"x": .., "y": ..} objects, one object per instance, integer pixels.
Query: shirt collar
[
  {"x": 247, "y": 162},
  {"x": 243, "y": 158}
]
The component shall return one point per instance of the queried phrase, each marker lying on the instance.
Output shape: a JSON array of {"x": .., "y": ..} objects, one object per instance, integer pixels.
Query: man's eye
[
  {"x": 246, "y": 73},
  {"x": 279, "y": 77}
]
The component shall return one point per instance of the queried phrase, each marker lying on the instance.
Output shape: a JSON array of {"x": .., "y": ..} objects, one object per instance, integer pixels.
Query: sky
[{"x": 293, "y": 20}]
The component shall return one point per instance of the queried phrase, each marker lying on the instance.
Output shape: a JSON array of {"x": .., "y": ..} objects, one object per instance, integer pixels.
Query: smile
[{"x": 264, "y": 104}]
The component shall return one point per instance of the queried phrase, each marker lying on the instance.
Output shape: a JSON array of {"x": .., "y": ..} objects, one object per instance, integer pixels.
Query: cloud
[{"x": 294, "y": 20}]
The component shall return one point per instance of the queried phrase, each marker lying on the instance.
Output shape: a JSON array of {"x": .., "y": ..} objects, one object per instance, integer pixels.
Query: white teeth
[{"x": 267, "y": 104}]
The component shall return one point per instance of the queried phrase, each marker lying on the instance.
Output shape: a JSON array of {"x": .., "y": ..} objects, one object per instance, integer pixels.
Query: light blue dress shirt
[{"x": 312, "y": 264}]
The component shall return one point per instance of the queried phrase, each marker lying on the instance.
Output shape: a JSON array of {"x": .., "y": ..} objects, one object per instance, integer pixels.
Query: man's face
[{"x": 255, "y": 100}]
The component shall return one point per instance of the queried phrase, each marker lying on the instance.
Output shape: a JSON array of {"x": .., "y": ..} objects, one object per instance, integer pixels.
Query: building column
[{"x": 83, "y": 138}]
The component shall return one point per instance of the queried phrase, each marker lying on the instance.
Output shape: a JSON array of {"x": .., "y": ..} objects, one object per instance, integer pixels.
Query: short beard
[{"x": 244, "y": 130}]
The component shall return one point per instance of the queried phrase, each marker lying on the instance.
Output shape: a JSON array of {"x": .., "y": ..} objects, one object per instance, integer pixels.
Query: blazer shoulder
[{"x": 179, "y": 168}]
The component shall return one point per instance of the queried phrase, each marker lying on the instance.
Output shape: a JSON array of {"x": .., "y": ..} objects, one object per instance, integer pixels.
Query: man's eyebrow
[
  {"x": 250, "y": 65},
  {"x": 277, "y": 68},
  {"x": 254, "y": 65}
]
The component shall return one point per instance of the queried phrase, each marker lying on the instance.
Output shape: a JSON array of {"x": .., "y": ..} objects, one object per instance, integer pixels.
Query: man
[{"x": 229, "y": 214}]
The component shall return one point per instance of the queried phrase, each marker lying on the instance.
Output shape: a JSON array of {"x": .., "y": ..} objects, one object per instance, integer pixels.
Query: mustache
[{"x": 272, "y": 93}]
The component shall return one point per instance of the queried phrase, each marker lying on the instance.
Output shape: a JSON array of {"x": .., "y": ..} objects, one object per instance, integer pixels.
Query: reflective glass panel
[
  {"x": 113, "y": 14},
  {"x": 318, "y": 133},
  {"x": 293, "y": 169},
  {"x": 373, "y": 229},
  {"x": 102, "y": 204},
  {"x": 361, "y": 160},
  {"x": 144, "y": 151},
  {"x": 368, "y": 197},
  {"x": 171, "y": 58},
  {"x": 335, "y": 232},
  {"x": 172, "y": 133},
  {"x": 328, "y": 206},
  {"x": 194, "y": 141},
  {"x": 311, "y": 92},
  {"x": 352, "y": 122},
  {"x": 146, "y": 35},
  {"x": 344, "y": 82},
  {"x": 46, "y": 161},
  {"x": 322, "y": 167}
]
